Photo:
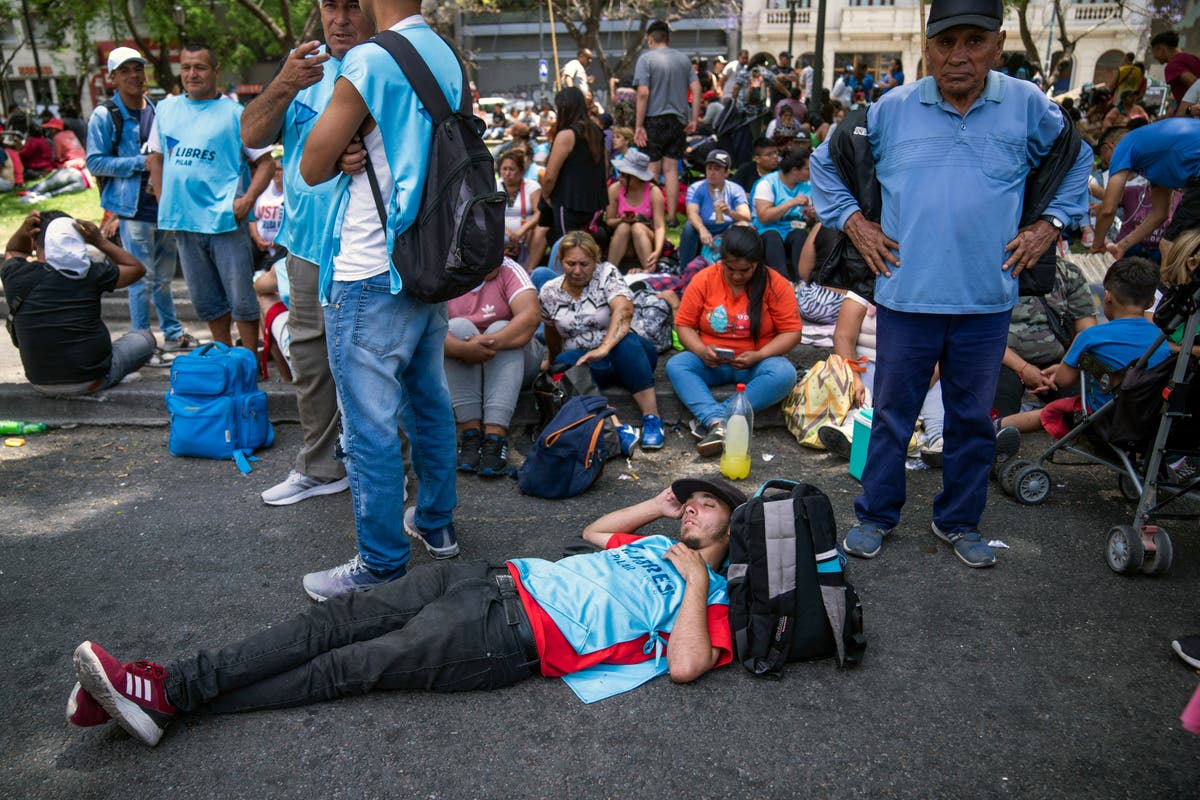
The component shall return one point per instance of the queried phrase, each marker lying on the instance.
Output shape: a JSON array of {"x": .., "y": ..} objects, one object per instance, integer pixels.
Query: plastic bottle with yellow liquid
[{"x": 735, "y": 460}]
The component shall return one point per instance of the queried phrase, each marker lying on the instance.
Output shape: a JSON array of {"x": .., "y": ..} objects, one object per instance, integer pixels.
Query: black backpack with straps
[
  {"x": 458, "y": 235},
  {"x": 788, "y": 597}
]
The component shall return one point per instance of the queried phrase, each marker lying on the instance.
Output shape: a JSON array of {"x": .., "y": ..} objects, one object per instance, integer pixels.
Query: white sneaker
[{"x": 298, "y": 486}]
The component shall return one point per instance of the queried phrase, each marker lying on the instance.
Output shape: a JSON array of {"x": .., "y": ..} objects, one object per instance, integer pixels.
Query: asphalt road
[{"x": 1048, "y": 676}]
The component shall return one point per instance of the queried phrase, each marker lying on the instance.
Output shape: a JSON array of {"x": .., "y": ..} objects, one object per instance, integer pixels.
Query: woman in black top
[{"x": 577, "y": 170}]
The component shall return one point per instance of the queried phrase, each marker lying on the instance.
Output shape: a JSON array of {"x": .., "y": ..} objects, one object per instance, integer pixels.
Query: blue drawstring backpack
[
  {"x": 570, "y": 452},
  {"x": 215, "y": 407}
]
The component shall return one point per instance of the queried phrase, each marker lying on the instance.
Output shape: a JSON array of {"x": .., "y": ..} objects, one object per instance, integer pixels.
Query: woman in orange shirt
[{"x": 738, "y": 320}]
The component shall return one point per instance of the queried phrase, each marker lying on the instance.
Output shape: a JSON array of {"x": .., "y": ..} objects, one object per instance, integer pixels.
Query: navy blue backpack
[{"x": 570, "y": 452}]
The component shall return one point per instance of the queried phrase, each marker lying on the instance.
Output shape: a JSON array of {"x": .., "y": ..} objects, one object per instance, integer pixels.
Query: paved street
[{"x": 1048, "y": 676}]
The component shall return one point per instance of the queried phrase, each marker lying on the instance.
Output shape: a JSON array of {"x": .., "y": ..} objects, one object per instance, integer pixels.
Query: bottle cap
[{"x": 741, "y": 387}]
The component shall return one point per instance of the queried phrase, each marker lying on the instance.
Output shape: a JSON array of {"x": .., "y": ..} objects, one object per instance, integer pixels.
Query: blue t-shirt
[
  {"x": 1116, "y": 344},
  {"x": 1167, "y": 153},
  {"x": 405, "y": 127},
  {"x": 953, "y": 186},
  {"x": 700, "y": 194},
  {"x": 780, "y": 194},
  {"x": 306, "y": 208},
  {"x": 203, "y": 165}
]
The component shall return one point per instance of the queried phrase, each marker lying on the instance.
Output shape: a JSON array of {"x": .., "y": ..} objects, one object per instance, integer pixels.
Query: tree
[
  {"x": 582, "y": 20},
  {"x": 1066, "y": 41}
]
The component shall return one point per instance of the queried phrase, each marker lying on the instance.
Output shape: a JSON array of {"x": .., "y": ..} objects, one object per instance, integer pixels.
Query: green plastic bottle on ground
[
  {"x": 11, "y": 427},
  {"x": 735, "y": 460}
]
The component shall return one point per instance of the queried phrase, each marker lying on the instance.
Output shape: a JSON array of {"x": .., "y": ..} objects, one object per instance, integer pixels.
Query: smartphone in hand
[{"x": 724, "y": 353}]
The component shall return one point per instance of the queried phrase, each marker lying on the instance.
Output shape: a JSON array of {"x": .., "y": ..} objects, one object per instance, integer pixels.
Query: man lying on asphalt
[{"x": 600, "y": 620}]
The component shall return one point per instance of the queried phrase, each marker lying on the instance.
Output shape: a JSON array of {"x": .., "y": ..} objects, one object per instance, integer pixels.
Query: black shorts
[
  {"x": 1187, "y": 213},
  {"x": 665, "y": 137}
]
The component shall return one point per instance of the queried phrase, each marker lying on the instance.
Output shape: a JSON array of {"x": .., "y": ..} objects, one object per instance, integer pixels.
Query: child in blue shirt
[{"x": 1129, "y": 287}]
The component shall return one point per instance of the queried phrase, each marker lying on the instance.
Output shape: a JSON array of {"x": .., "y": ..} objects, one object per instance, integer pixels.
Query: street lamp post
[
  {"x": 179, "y": 17},
  {"x": 819, "y": 54},
  {"x": 791, "y": 22}
]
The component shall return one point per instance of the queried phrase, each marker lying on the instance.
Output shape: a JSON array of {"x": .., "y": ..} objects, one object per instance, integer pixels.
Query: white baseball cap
[{"x": 122, "y": 54}]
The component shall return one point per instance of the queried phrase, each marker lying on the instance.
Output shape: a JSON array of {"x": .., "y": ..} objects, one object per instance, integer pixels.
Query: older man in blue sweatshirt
[{"x": 952, "y": 152}]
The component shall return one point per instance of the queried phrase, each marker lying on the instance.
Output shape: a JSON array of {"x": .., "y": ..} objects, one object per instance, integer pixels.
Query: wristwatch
[{"x": 1053, "y": 220}]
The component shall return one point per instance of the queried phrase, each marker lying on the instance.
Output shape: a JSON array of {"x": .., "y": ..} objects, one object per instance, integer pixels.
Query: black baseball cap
[
  {"x": 723, "y": 490},
  {"x": 945, "y": 14},
  {"x": 720, "y": 157}
]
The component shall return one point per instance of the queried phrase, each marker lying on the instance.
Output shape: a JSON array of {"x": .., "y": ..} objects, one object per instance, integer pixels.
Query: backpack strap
[
  {"x": 419, "y": 75},
  {"x": 779, "y": 528}
]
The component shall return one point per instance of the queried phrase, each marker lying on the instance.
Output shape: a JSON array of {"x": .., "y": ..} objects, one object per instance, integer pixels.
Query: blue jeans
[
  {"x": 967, "y": 349},
  {"x": 689, "y": 240},
  {"x": 219, "y": 269},
  {"x": 442, "y": 627},
  {"x": 767, "y": 383},
  {"x": 156, "y": 250},
  {"x": 386, "y": 354},
  {"x": 629, "y": 365}
]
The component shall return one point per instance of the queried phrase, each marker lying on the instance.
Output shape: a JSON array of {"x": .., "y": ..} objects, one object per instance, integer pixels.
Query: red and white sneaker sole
[
  {"x": 82, "y": 709},
  {"x": 128, "y": 714}
]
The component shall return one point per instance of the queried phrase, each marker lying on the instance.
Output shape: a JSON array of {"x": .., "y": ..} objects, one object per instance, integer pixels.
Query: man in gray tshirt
[{"x": 663, "y": 76}]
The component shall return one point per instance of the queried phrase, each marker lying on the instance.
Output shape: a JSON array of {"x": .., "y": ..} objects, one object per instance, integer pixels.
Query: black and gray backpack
[
  {"x": 458, "y": 235},
  {"x": 788, "y": 597}
]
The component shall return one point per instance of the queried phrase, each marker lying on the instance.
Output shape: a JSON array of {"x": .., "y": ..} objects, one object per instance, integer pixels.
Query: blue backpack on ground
[
  {"x": 215, "y": 407},
  {"x": 570, "y": 452}
]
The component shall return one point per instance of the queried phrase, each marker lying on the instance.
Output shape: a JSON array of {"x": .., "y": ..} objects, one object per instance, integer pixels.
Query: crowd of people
[{"x": 590, "y": 278}]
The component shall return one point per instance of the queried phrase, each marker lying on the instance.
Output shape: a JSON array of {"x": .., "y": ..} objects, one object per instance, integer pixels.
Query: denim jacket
[{"x": 124, "y": 170}]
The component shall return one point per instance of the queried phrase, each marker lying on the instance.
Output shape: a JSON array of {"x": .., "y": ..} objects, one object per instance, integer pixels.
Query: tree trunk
[
  {"x": 1031, "y": 51},
  {"x": 162, "y": 62}
]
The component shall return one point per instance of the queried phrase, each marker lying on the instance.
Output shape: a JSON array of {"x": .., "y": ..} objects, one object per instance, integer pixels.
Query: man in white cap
[
  {"x": 286, "y": 112},
  {"x": 116, "y": 138},
  {"x": 54, "y": 305}
]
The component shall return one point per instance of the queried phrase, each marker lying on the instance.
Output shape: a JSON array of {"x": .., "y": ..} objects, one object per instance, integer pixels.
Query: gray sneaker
[
  {"x": 185, "y": 342},
  {"x": 298, "y": 486},
  {"x": 969, "y": 546},
  {"x": 713, "y": 442},
  {"x": 353, "y": 576}
]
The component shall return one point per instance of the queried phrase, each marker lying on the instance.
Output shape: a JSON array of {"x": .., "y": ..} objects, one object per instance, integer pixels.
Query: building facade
[{"x": 873, "y": 32}]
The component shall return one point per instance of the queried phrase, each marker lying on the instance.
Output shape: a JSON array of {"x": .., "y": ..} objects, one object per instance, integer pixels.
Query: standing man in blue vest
[
  {"x": 385, "y": 346},
  {"x": 286, "y": 111},
  {"x": 197, "y": 165},
  {"x": 952, "y": 152},
  {"x": 600, "y": 621},
  {"x": 116, "y": 136}
]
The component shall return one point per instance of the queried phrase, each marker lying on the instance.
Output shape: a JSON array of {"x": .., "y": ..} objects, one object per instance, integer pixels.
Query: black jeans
[
  {"x": 783, "y": 253},
  {"x": 442, "y": 627}
]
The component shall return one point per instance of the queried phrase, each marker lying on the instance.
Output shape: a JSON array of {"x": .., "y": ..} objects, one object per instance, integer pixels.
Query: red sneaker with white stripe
[
  {"x": 82, "y": 709},
  {"x": 133, "y": 692}
]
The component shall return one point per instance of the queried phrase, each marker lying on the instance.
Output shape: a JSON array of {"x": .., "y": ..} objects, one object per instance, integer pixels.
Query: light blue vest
[
  {"x": 407, "y": 132},
  {"x": 602, "y": 599},
  {"x": 203, "y": 165},
  {"x": 781, "y": 194},
  {"x": 306, "y": 208}
]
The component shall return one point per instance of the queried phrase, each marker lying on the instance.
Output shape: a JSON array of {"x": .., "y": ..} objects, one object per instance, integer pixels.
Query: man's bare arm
[
  {"x": 263, "y": 118},
  {"x": 331, "y": 135},
  {"x": 690, "y": 653},
  {"x": 154, "y": 165},
  {"x": 631, "y": 518}
]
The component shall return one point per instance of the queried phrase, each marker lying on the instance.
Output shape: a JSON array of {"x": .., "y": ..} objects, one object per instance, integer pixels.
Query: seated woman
[
  {"x": 588, "y": 311},
  {"x": 490, "y": 354},
  {"x": 635, "y": 214},
  {"x": 737, "y": 323},
  {"x": 525, "y": 242},
  {"x": 784, "y": 124},
  {"x": 819, "y": 304},
  {"x": 782, "y": 211},
  {"x": 713, "y": 205},
  {"x": 54, "y": 302},
  {"x": 854, "y": 340}
]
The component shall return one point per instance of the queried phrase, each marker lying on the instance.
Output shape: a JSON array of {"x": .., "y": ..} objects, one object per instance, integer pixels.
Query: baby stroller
[{"x": 1154, "y": 417}]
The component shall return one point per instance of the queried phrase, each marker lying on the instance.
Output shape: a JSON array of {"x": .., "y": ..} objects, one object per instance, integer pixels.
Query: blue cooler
[{"x": 860, "y": 442}]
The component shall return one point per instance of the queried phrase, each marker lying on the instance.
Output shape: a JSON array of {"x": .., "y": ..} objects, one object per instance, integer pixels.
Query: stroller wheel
[
  {"x": 1124, "y": 552},
  {"x": 1159, "y": 562},
  {"x": 1031, "y": 485},
  {"x": 1128, "y": 488},
  {"x": 1007, "y": 473}
]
